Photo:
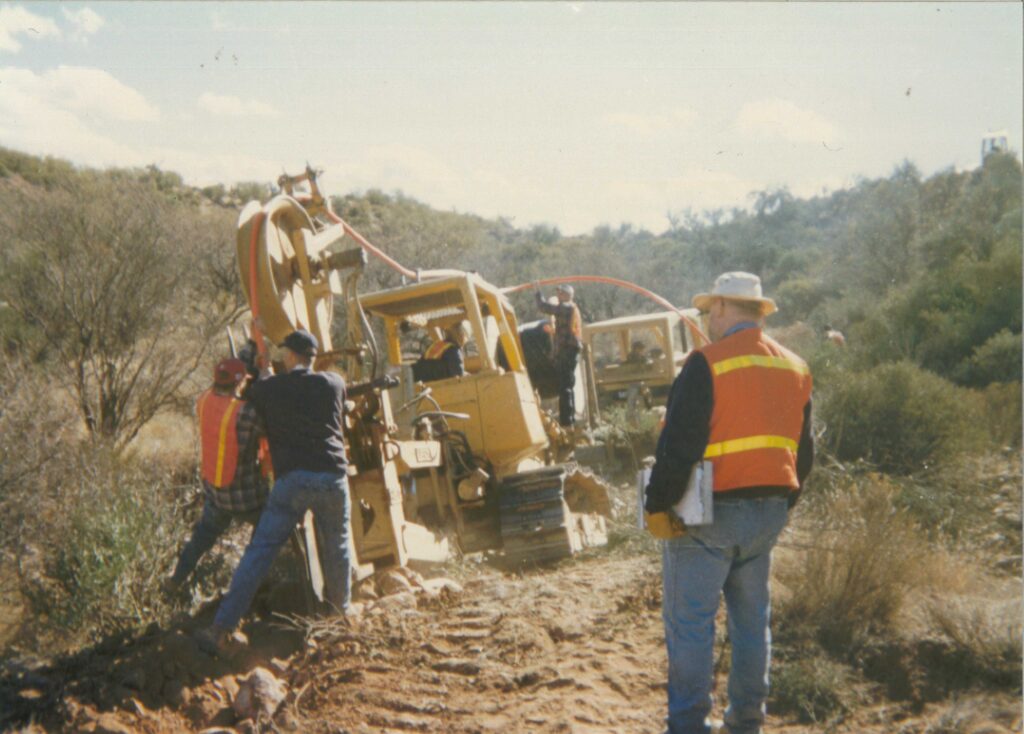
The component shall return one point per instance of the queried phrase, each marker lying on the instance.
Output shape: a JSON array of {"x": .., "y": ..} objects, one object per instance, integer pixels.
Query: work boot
[{"x": 212, "y": 640}]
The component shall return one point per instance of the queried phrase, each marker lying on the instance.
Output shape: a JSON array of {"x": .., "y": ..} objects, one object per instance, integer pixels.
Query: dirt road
[{"x": 574, "y": 648}]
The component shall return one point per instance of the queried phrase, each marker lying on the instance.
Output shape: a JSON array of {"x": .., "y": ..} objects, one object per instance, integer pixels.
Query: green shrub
[
  {"x": 900, "y": 418},
  {"x": 116, "y": 540},
  {"x": 812, "y": 687},
  {"x": 997, "y": 360},
  {"x": 1003, "y": 412}
]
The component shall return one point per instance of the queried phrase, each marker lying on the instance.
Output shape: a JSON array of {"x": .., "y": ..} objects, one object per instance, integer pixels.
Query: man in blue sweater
[{"x": 303, "y": 412}]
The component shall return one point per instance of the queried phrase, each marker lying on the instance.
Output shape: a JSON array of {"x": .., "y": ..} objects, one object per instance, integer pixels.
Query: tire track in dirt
[{"x": 566, "y": 651}]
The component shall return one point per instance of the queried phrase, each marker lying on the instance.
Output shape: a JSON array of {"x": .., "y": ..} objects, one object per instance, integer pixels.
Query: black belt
[{"x": 751, "y": 493}]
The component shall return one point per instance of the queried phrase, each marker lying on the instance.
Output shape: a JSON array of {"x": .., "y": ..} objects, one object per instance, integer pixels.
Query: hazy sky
[{"x": 574, "y": 114}]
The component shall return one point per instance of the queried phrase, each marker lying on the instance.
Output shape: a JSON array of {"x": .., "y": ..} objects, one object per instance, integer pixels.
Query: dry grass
[
  {"x": 977, "y": 714},
  {"x": 986, "y": 635},
  {"x": 168, "y": 443},
  {"x": 858, "y": 557}
]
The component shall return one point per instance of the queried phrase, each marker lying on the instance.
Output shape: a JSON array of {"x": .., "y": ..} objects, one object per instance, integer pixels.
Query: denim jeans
[
  {"x": 567, "y": 388},
  {"x": 732, "y": 555},
  {"x": 326, "y": 494},
  {"x": 212, "y": 524}
]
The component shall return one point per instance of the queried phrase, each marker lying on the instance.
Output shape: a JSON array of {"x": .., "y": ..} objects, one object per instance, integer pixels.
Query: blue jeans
[
  {"x": 212, "y": 524},
  {"x": 326, "y": 494},
  {"x": 732, "y": 555}
]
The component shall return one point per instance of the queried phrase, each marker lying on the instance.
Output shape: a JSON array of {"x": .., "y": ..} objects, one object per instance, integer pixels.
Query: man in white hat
[
  {"x": 743, "y": 405},
  {"x": 568, "y": 343}
]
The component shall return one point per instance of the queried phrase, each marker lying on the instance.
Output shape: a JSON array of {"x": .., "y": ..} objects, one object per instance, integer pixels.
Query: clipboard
[{"x": 697, "y": 505}]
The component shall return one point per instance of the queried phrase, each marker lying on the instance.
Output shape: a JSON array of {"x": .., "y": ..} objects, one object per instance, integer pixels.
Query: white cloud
[
  {"x": 218, "y": 22},
  {"x": 16, "y": 21},
  {"x": 34, "y": 118},
  {"x": 225, "y": 105},
  {"x": 85, "y": 92},
  {"x": 780, "y": 118},
  {"x": 45, "y": 115},
  {"x": 640, "y": 124},
  {"x": 61, "y": 111},
  {"x": 84, "y": 23}
]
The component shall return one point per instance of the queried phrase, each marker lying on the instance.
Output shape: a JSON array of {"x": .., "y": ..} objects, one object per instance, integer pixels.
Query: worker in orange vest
[
  {"x": 234, "y": 466},
  {"x": 741, "y": 408},
  {"x": 444, "y": 358},
  {"x": 568, "y": 343}
]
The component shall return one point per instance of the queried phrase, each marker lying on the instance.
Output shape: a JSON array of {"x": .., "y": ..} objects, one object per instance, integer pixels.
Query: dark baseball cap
[
  {"x": 301, "y": 342},
  {"x": 228, "y": 372}
]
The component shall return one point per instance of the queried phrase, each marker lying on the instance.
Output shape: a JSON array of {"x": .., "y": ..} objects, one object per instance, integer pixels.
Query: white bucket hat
[{"x": 736, "y": 286}]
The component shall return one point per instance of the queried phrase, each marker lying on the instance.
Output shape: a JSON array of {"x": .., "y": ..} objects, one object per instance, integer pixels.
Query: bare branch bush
[
  {"x": 125, "y": 289},
  {"x": 34, "y": 433}
]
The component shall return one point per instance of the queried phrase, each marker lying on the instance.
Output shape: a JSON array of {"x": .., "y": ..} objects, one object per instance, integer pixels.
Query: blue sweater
[{"x": 303, "y": 412}]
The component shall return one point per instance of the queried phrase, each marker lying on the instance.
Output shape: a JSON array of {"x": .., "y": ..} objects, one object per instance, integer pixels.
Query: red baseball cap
[{"x": 229, "y": 372}]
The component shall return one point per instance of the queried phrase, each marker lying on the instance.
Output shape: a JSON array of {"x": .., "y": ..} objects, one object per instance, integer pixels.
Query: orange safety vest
[
  {"x": 218, "y": 419},
  {"x": 437, "y": 349},
  {"x": 760, "y": 390},
  {"x": 577, "y": 322}
]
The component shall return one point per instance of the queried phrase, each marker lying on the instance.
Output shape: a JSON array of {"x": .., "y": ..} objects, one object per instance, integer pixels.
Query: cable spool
[{"x": 295, "y": 277}]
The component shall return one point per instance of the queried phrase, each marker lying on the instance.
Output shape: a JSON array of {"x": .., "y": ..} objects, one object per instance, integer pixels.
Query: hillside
[{"x": 898, "y": 605}]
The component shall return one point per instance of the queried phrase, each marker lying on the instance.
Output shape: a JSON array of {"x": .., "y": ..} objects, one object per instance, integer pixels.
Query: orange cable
[
  {"x": 254, "y": 303},
  {"x": 394, "y": 264},
  {"x": 665, "y": 303}
]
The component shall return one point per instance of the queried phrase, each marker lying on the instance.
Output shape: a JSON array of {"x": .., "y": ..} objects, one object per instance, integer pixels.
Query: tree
[{"x": 125, "y": 289}]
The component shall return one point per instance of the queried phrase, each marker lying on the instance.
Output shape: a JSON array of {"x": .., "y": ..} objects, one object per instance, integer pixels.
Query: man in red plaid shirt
[{"x": 234, "y": 479}]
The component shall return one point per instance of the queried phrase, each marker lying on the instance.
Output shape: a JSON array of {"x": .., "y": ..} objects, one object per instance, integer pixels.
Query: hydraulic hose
[{"x": 692, "y": 325}]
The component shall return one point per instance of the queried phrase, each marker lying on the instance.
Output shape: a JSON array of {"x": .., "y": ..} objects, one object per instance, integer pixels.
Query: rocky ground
[{"x": 573, "y": 648}]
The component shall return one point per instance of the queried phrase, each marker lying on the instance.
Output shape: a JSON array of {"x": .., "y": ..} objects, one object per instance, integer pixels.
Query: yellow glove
[{"x": 664, "y": 525}]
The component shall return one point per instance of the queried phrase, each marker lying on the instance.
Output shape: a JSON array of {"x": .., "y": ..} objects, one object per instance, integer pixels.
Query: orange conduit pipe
[
  {"x": 692, "y": 325},
  {"x": 254, "y": 301},
  {"x": 414, "y": 275},
  {"x": 370, "y": 248}
]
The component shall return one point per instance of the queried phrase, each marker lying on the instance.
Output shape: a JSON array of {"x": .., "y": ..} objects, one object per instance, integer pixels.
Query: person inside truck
[
  {"x": 637, "y": 354},
  {"x": 443, "y": 359}
]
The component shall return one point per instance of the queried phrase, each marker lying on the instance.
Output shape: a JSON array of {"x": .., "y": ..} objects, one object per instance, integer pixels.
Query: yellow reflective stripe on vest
[
  {"x": 222, "y": 439},
  {"x": 758, "y": 360},
  {"x": 437, "y": 350},
  {"x": 748, "y": 443}
]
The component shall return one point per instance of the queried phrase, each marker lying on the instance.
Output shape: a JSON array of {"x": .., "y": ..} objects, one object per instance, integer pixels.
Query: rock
[
  {"x": 154, "y": 685},
  {"x": 438, "y": 585},
  {"x": 110, "y": 724},
  {"x": 134, "y": 678},
  {"x": 203, "y": 710},
  {"x": 175, "y": 693},
  {"x": 414, "y": 577},
  {"x": 454, "y": 665},
  {"x": 393, "y": 582},
  {"x": 138, "y": 708},
  {"x": 403, "y": 600},
  {"x": 366, "y": 591},
  {"x": 260, "y": 692},
  {"x": 560, "y": 630}
]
